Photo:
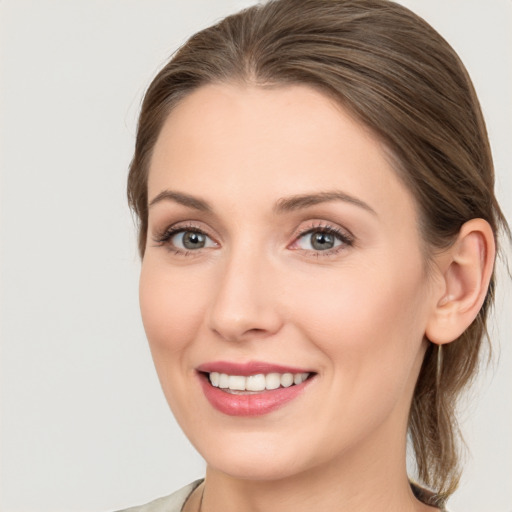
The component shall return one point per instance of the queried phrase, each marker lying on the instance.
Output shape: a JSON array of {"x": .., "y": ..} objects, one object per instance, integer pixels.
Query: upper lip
[{"x": 249, "y": 368}]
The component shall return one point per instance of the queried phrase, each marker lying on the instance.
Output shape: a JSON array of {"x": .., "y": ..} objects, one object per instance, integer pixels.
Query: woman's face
[{"x": 281, "y": 242}]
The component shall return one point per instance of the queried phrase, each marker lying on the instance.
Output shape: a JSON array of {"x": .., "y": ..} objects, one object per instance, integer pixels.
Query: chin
[
  {"x": 255, "y": 459},
  {"x": 262, "y": 469}
]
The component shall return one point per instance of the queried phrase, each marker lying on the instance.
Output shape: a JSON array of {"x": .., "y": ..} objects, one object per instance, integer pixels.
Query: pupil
[
  {"x": 322, "y": 241},
  {"x": 192, "y": 240}
]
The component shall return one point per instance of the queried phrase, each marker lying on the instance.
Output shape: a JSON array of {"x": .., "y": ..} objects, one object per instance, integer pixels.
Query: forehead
[{"x": 233, "y": 142}]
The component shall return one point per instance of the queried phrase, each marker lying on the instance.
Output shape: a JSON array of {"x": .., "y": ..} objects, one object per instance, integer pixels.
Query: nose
[{"x": 245, "y": 305}]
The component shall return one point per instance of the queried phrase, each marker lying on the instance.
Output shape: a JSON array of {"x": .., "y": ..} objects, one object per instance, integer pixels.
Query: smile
[
  {"x": 256, "y": 383},
  {"x": 251, "y": 389}
]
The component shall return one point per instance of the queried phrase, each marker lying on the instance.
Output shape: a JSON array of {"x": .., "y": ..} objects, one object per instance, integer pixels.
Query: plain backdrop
[{"x": 84, "y": 425}]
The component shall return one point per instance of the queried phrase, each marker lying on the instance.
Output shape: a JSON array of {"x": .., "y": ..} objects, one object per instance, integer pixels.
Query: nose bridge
[{"x": 244, "y": 303}]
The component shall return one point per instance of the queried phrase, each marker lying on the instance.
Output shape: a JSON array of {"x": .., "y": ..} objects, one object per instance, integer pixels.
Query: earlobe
[{"x": 466, "y": 269}]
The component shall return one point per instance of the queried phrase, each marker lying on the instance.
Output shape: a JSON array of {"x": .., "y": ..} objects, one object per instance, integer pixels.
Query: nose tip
[
  {"x": 245, "y": 305},
  {"x": 237, "y": 320}
]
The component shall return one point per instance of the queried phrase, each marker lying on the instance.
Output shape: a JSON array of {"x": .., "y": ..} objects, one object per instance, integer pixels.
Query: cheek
[
  {"x": 172, "y": 311},
  {"x": 370, "y": 322},
  {"x": 171, "y": 307},
  {"x": 370, "y": 331}
]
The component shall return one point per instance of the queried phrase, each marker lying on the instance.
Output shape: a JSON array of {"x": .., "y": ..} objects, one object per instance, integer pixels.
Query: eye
[
  {"x": 190, "y": 240},
  {"x": 318, "y": 241},
  {"x": 184, "y": 239},
  {"x": 322, "y": 239}
]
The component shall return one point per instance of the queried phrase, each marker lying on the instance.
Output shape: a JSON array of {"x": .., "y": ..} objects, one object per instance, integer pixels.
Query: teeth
[
  {"x": 236, "y": 382},
  {"x": 258, "y": 382},
  {"x": 300, "y": 377},
  {"x": 286, "y": 380},
  {"x": 255, "y": 382},
  {"x": 214, "y": 379},
  {"x": 272, "y": 381},
  {"x": 223, "y": 381}
]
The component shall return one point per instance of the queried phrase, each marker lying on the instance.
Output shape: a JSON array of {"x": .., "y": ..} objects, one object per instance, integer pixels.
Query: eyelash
[
  {"x": 346, "y": 239},
  {"x": 165, "y": 237}
]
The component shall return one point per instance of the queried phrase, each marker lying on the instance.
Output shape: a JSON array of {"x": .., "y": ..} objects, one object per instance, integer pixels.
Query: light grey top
[
  {"x": 175, "y": 501},
  {"x": 172, "y": 503}
]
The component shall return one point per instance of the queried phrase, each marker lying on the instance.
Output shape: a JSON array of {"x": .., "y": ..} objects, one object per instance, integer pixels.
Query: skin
[{"x": 356, "y": 316}]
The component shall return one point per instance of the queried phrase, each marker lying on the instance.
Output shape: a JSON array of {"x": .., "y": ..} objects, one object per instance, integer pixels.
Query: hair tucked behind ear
[{"x": 399, "y": 77}]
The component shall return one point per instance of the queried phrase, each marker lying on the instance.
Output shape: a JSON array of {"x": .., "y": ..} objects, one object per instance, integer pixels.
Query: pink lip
[
  {"x": 250, "y": 368},
  {"x": 255, "y": 404}
]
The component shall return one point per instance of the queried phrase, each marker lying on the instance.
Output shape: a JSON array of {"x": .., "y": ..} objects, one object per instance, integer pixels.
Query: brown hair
[{"x": 401, "y": 78}]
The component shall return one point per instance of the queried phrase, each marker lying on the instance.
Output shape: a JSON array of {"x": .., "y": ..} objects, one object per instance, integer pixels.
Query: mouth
[
  {"x": 251, "y": 389},
  {"x": 238, "y": 384}
]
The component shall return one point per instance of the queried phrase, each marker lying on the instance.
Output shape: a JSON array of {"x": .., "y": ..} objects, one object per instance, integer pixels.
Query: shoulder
[{"x": 172, "y": 503}]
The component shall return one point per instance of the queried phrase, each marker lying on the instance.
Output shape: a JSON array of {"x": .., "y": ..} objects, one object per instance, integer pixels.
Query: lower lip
[{"x": 255, "y": 404}]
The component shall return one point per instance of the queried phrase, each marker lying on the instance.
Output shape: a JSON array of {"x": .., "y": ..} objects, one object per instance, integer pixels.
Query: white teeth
[
  {"x": 255, "y": 382},
  {"x": 236, "y": 382},
  {"x": 258, "y": 382},
  {"x": 214, "y": 379},
  {"x": 300, "y": 377},
  {"x": 272, "y": 381},
  {"x": 286, "y": 380},
  {"x": 223, "y": 381}
]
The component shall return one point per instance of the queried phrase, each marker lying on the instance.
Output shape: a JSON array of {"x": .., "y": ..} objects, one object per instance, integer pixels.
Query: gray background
[{"x": 84, "y": 426}]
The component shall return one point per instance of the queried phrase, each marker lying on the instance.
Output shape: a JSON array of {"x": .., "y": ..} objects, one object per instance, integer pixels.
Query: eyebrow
[
  {"x": 285, "y": 204},
  {"x": 183, "y": 199},
  {"x": 301, "y": 201}
]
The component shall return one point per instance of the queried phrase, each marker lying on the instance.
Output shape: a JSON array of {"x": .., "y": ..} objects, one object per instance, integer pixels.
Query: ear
[{"x": 465, "y": 271}]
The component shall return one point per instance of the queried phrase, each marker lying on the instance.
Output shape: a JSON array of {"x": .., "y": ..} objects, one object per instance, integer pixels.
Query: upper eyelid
[
  {"x": 182, "y": 226},
  {"x": 325, "y": 226}
]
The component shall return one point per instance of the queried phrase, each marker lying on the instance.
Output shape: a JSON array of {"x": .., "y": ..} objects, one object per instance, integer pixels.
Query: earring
[{"x": 439, "y": 366}]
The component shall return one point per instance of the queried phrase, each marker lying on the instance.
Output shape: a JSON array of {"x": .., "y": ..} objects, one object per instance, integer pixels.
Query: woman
[{"x": 318, "y": 227}]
